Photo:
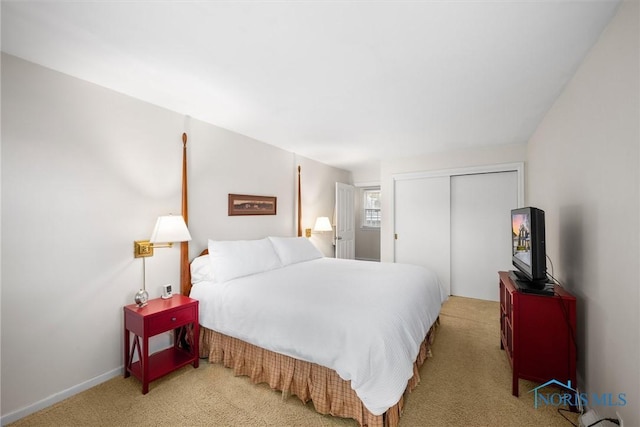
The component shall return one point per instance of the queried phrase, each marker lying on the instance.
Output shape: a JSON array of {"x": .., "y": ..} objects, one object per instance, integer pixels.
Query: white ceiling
[{"x": 342, "y": 82}]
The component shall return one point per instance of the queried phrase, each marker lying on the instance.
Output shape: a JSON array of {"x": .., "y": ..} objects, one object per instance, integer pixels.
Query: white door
[
  {"x": 421, "y": 228},
  {"x": 345, "y": 221},
  {"x": 481, "y": 232}
]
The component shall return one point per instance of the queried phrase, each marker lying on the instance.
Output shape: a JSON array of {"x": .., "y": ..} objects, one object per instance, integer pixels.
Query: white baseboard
[
  {"x": 367, "y": 259},
  {"x": 59, "y": 397}
]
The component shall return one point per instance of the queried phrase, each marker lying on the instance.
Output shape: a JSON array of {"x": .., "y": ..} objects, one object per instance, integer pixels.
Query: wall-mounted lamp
[
  {"x": 169, "y": 229},
  {"x": 322, "y": 224}
]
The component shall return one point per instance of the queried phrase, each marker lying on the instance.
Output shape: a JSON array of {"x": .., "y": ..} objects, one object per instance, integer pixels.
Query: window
[{"x": 371, "y": 208}]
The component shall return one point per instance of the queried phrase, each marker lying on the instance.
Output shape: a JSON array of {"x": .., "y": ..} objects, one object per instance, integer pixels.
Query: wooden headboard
[{"x": 185, "y": 264}]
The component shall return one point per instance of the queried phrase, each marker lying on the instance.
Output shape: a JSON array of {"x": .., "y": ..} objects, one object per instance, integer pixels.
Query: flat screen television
[{"x": 528, "y": 246}]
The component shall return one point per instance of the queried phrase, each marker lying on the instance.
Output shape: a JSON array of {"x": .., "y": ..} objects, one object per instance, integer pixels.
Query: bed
[{"x": 347, "y": 335}]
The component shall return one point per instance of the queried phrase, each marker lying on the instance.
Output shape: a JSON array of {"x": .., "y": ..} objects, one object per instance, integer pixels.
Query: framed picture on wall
[{"x": 241, "y": 204}]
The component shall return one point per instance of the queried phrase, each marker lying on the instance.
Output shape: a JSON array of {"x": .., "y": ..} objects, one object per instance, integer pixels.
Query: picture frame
[{"x": 242, "y": 204}]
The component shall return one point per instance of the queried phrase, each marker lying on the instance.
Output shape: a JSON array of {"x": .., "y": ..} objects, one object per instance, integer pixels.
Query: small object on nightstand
[
  {"x": 166, "y": 292},
  {"x": 141, "y": 298}
]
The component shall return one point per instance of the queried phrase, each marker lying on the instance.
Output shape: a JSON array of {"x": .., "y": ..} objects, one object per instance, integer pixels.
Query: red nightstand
[{"x": 160, "y": 315}]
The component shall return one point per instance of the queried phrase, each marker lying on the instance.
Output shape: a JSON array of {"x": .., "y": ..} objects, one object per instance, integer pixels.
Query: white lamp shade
[
  {"x": 322, "y": 224},
  {"x": 170, "y": 229}
]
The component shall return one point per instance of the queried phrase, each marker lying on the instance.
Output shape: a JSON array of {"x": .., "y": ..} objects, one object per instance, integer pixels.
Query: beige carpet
[{"x": 467, "y": 382}]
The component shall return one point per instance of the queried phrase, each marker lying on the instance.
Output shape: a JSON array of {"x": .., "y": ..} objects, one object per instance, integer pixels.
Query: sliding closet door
[
  {"x": 480, "y": 231},
  {"x": 422, "y": 224}
]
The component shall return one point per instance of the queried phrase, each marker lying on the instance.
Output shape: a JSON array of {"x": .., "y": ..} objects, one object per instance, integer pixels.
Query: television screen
[
  {"x": 521, "y": 228},
  {"x": 528, "y": 244}
]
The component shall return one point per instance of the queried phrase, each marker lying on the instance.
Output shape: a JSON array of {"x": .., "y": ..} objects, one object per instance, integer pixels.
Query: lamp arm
[{"x": 161, "y": 245}]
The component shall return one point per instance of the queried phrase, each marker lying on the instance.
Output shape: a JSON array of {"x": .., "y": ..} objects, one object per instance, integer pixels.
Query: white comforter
[{"x": 365, "y": 320}]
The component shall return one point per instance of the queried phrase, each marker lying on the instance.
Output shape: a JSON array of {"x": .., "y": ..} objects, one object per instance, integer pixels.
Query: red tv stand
[{"x": 538, "y": 334}]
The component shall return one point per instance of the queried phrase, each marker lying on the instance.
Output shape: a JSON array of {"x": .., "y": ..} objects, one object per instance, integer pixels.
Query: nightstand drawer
[{"x": 171, "y": 320}]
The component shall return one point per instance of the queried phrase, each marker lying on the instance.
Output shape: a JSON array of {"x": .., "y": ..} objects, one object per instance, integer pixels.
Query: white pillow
[
  {"x": 237, "y": 258},
  {"x": 201, "y": 269},
  {"x": 292, "y": 250}
]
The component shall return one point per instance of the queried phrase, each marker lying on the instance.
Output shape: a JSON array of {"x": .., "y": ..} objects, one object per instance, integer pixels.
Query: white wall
[
  {"x": 366, "y": 172},
  {"x": 85, "y": 172},
  {"x": 584, "y": 172},
  {"x": 223, "y": 162},
  {"x": 439, "y": 161}
]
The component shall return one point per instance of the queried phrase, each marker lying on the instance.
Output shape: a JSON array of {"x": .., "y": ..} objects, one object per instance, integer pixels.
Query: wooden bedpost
[
  {"x": 299, "y": 206},
  {"x": 185, "y": 273}
]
